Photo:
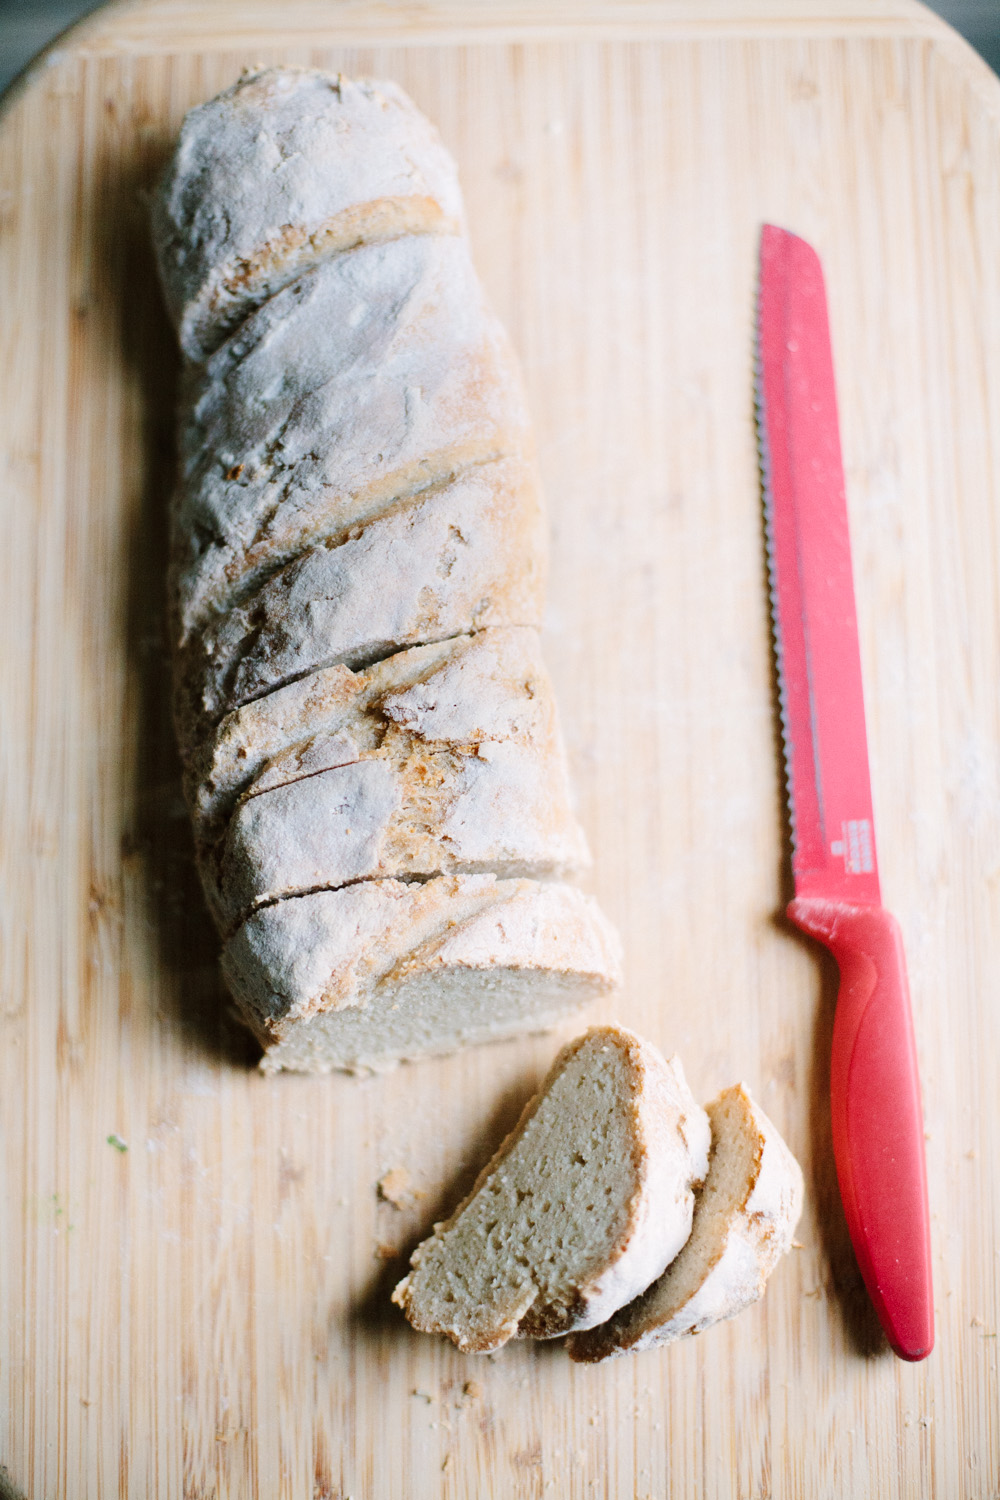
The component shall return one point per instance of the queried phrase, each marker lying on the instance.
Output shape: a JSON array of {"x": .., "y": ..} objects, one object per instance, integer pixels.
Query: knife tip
[{"x": 782, "y": 245}]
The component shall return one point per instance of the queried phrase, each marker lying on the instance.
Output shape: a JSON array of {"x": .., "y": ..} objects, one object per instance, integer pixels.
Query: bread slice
[
  {"x": 364, "y": 381},
  {"x": 454, "y": 559},
  {"x": 744, "y": 1220},
  {"x": 284, "y": 169},
  {"x": 468, "y": 776},
  {"x": 584, "y": 1203},
  {"x": 364, "y": 977}
]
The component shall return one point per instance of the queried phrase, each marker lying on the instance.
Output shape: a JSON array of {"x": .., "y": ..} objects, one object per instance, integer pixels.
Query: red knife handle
[{"x": 878, "y": 1129}]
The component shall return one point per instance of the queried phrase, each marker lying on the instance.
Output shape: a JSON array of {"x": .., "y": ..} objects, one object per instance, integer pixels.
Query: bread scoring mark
[
  {"x": 244, "y": 284},
  {"x": 262, "y": 560}
]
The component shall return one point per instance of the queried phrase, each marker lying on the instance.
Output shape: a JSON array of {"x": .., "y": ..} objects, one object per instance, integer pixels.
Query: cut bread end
[
  {"x": 588, "y": 1196},
  {"x": 744, "y": 1220},
  {"x": 383, "y": 971}
]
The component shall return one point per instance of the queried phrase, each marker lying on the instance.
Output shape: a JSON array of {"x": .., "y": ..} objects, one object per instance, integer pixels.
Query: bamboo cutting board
[{"x": 195, "y": 1261}]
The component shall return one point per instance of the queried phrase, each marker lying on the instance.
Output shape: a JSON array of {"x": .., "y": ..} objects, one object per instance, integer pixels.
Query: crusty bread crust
[
  {"x": 460, "y": 557},
  {"x": 378, "y": 374},
  {"x": 284, "y": 169},
  {"x": 299, "y": 724},
  {"x": 465, "y": 773}
]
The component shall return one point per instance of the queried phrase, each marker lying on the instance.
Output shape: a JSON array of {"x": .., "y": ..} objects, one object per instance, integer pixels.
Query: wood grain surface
[{"x": 194, "y": 1259}]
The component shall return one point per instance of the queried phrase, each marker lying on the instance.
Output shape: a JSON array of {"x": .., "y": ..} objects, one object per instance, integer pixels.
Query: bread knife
[{"x": 878, "y": 1133}]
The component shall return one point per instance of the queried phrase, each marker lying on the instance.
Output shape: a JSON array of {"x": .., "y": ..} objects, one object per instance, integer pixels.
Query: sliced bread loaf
[
  {"x": 364, "y": 977},
  {"x": 285, "y": 168},
  {"x": 584, "y": 1203},
  {"x": 358, "y": 506},
  {"x": 744, "y": 1220}
]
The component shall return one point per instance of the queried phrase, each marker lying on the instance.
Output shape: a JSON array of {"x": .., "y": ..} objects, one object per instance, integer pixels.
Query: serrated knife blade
[{"x": 875, "y": 1091}]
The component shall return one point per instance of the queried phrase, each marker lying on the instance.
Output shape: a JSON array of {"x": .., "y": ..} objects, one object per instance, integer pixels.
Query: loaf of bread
[
  {"x": 371, "y": 750},
  {"x": 583, "y": 1205}
]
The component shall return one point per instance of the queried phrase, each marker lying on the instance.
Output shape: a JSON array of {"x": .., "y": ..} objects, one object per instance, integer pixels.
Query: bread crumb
[
  {"x": 472, "y": 1389},
  {"x": 383, "y": 1251},
  {"x": 394, "y": 1187}
]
